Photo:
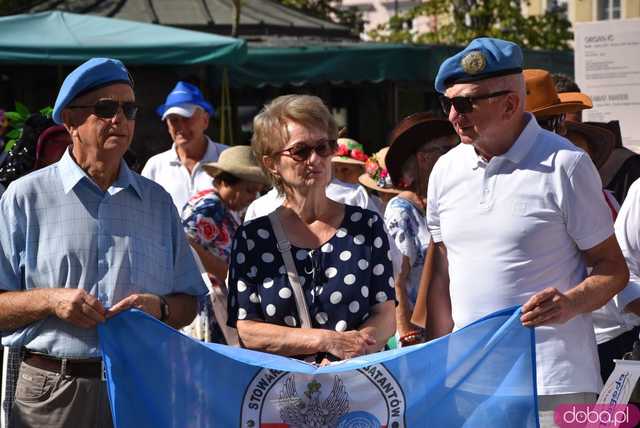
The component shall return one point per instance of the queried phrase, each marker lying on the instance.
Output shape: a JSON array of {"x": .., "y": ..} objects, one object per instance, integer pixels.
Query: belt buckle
[{"x": 103, "y": 371}]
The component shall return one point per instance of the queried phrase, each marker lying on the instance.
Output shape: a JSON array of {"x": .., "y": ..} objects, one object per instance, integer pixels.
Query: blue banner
[{"x": 480, "y": 376}]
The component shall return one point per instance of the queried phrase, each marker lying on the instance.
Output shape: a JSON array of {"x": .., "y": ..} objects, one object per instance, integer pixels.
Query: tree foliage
[
  {"x": 330, "y": 10},
  {"x": 457, "y": 22}
]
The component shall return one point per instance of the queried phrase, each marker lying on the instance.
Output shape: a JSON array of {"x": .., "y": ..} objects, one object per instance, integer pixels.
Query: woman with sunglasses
[
  {"x": 416, "y": 143},
  {"x": 339, "y": 252}
]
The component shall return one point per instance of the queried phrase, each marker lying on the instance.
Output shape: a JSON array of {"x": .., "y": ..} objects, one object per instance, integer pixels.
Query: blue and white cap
[{"x": 183, "y": 100}]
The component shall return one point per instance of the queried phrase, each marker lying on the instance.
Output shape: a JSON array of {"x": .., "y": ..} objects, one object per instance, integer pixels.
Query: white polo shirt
[
  {"x": 516, "y": 225},
  {"x": 166, "y": 169},
  {"x": 628, "y": 234}
]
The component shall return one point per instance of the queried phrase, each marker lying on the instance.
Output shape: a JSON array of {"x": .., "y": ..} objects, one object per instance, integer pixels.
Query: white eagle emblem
[{"x": 309, "y": 411}]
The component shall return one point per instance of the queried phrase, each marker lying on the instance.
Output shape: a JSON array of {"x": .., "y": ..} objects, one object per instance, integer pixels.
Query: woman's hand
[{"x": 348, "y": 344}]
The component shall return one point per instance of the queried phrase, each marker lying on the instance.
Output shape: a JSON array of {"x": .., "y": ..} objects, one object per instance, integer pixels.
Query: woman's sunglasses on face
[
  {"x": 302, "y": 151},
  {"x": 464, "y": 105},
  {"x": 106, "y": 109}
]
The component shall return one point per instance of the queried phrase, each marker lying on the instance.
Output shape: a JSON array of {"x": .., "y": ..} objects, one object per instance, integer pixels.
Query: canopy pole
[{"x": 225, "y": 110}]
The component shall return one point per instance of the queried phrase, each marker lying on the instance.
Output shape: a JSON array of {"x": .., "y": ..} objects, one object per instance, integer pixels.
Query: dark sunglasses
[
  {"x": 551, "y": 123},
  {"x": 106, "y": 109},
  {"x": 301, "y": 152},
  {"x": 465, "y": 105}
]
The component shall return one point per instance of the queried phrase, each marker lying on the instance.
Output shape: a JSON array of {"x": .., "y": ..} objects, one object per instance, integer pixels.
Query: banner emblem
[{"x": 365, "y": 398}]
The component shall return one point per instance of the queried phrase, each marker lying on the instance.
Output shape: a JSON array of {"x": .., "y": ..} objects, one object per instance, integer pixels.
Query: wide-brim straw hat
[
  {"x": 543, "y": 99},
  {"x": 240, "y": 162},
  {"x": 353, "y": 152},
  {"x": 601, "y": 141},
  {"x": 380, "y": 181},
  {"x": 409, "y": 135}
]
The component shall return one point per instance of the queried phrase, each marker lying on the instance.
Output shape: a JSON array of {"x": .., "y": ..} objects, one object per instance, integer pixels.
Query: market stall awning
[
  {"x": 68, "y": 38},
  {"x": 360, "y": 62}
]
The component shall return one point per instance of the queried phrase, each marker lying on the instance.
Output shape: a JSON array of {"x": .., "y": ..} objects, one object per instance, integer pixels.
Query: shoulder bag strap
[
  {"x": 219, "y": 303},
  {"x": 284, "y": 246}
]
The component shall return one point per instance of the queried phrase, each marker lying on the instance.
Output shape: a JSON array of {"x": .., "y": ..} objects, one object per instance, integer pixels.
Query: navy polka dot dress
[{"x": 342, "y": 280}]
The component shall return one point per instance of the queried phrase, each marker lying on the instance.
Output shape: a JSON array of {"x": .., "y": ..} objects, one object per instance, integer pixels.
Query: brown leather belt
[{"x": 74, "y": 368}]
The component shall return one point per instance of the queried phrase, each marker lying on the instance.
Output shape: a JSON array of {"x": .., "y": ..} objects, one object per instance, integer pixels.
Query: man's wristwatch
[{"x": 164, "y": 309}]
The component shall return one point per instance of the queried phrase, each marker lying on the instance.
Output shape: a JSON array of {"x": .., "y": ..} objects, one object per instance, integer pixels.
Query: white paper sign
[
  {"x": 621, "y": 382},
  {"x": 607, "y": 68}
]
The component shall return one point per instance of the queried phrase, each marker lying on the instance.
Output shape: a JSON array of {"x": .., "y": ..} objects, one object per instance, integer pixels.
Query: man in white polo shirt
[
  {"x": 179, "y": 169},
  {"x": 517, "y": 215}
]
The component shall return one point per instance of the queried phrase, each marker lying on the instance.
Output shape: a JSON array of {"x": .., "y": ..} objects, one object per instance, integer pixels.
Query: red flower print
[
  {"x": 223, "y": 237},
  {"x": 207, "y": 229}
]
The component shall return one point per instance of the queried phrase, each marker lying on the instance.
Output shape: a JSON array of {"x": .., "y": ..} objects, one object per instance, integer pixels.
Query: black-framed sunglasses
[
  {"x": 302, "y": 151},
  {"x": 552, "y": 123},
  {"x": 465, "y": 105},
  {"x": 106, "y": 109}
]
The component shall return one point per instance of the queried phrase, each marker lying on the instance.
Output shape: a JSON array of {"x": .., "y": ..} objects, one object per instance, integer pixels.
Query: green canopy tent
[
  {"x": 360, "y": 62},
  {"x": 68, "y": 38}
]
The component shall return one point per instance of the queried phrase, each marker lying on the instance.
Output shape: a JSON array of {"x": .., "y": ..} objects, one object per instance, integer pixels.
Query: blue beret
[
  {"x": 95, "y": 73},
  {"x": 481, "y": 59},
  {"x": 184, "y": 93}
]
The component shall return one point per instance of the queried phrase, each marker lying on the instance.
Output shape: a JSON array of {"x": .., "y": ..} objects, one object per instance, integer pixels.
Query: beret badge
[{"x": 474, "y": 62}]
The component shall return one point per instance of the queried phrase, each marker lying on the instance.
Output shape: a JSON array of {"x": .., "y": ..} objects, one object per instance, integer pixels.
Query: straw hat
[
  {"x": 409, "y": 135},
  {"x": 376, "y": 176},
  {"x": 601, "y": 141},
  {"x": 349, "y": 151},
  {"x": 240, "y": 162},
  {"x": 543, "y": 100}
]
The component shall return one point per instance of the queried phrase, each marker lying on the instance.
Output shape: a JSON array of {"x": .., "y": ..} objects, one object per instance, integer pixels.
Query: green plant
[{"x": 17, "y": 119}]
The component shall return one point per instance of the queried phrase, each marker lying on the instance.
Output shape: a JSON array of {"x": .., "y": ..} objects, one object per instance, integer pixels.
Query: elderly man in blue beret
[
  {"x": 517, "y": 216},
  {"x": 83, "y": 240},
  {"x": 179, "y": 169}
]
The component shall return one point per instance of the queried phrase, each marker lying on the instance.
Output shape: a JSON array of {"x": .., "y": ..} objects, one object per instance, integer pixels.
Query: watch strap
[{"x": 164, "y": 308}]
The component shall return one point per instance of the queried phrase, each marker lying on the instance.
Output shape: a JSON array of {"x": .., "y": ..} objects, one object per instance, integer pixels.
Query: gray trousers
[{"x": 52, "y": 400}]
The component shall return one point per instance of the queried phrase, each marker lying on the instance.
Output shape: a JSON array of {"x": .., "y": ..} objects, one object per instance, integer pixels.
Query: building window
[{"x": 608, "y": 9}]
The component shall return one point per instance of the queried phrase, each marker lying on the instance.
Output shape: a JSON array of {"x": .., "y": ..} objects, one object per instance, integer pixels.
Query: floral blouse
[
  {"x": 342, "y": 279},
  {"x": 209, "y": 223},
  {"x": 407, "y": 226},
  {"x": 206, "y": 220}
]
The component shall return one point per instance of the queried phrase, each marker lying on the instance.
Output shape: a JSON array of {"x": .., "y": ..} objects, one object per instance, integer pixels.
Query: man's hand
[
  {"x": 349, "y": 344},
  {"x": 77, "y": 307},
  {"x": 549, "y": 306},
  {"x": 149, "y": 303}
]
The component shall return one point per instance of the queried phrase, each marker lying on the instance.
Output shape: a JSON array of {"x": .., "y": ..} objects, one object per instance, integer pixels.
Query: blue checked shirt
[{"x": 59, "y": 229}]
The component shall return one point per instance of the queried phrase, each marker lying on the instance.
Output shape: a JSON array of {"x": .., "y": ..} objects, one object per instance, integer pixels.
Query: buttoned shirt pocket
[{"x": 152, "y": 267}]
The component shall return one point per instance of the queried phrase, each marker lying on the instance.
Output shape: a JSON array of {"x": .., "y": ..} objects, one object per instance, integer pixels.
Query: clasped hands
[{"x": 81, "y": 309}]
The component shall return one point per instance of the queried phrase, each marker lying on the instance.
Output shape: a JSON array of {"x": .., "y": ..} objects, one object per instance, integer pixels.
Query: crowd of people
[{"x": 302, "y": 245}]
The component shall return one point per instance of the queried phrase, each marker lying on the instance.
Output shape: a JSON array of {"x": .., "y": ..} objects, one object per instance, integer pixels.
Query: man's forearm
[
  {"x": 439, "y": 318},
  {"x": 606, "y": 280},
  {"x": 20, "y": 308}
]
